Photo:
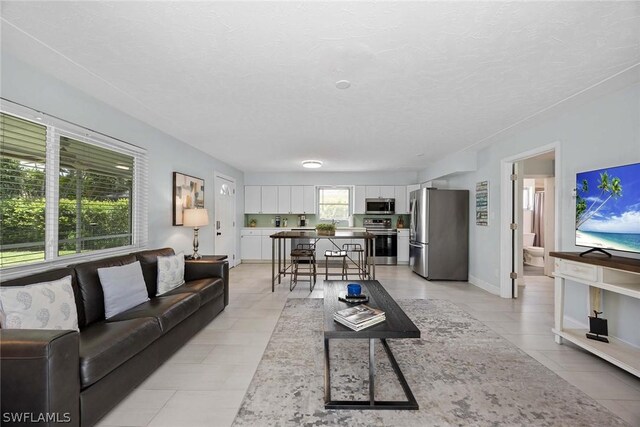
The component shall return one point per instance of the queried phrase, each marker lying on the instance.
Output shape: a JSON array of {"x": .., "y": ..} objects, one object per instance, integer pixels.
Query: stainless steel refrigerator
[{"x": 439, "y": 234}]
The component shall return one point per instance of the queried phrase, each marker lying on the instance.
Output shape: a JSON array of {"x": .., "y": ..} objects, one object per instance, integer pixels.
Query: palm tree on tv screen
[{"x": 612, "y": 187}]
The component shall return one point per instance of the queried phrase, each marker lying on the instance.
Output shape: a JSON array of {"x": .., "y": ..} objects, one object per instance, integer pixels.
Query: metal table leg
[{"x": 273, "y": 264}]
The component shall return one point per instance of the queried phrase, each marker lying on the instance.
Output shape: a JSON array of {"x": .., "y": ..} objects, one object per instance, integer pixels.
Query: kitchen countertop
[{"x": 340, "y": 234}]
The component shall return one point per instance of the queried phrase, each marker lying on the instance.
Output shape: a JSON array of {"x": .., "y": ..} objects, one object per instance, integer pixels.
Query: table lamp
[{"x": 195, "y": 218}]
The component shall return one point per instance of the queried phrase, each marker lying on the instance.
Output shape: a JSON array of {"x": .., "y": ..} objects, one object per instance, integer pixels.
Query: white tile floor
[{"x": 204, "y": 383}]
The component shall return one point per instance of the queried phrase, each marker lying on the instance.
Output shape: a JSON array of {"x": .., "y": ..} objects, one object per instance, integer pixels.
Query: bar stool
[
  {"x": 335, "y": 255},
  {"x": 304, "y": 253},
  {"x": 355, "y": 253}
]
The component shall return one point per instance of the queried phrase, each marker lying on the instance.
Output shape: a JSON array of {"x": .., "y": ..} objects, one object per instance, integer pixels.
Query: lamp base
[{"x": 195, "y": 256}]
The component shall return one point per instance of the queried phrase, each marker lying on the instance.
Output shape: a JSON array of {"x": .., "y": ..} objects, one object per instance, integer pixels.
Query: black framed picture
[{"x": 188, "y": 193}]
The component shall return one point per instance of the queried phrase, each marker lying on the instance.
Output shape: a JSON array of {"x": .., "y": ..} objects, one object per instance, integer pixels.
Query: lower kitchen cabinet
[
  {"x": 403, "y": 246},
  {"x": 250, "y": 247}
]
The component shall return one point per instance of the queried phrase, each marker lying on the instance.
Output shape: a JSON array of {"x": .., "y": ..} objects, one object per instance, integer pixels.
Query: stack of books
[{"x": 359, "y": 317}]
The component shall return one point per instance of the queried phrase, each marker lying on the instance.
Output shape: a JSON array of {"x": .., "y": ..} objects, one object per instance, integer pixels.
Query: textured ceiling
[{"x": 253, "y": 83}]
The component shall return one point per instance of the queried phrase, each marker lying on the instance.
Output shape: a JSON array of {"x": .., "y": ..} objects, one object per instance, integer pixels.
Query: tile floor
[{"x": 205, "y": 382}]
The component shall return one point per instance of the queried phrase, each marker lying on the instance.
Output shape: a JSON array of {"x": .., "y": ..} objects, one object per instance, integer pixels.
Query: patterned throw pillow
[
  {"x": 47, "y": 305},
  {"x": 170, "y": 272}
]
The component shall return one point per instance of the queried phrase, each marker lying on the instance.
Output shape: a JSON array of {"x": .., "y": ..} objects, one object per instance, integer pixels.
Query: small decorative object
[
  {"x": 285, "y": 220},
  {"x": 196, "y": 218},
  {"x": 326, "y": 229},
  {"x": 253, "y": 222},
  {"x": 482, "y": 203},
  {"x": 360, "y": 299},
  {"x": 598, "y": 327},
  {"x": 354, "y": 289},
  {"x": 400, "y": 222},
  {"x": 188, "y": 193}
]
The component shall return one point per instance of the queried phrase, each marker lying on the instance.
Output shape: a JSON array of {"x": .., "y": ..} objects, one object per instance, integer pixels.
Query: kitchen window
[
  {"x": 65, "y": 192},
  {"x": 334, "y": 203}
]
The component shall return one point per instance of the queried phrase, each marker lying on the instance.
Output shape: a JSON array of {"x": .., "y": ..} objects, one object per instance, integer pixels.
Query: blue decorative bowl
[{"x": 354, "y": 289}]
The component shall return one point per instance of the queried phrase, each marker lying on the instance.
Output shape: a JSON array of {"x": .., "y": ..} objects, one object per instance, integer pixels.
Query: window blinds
[{"x": 22, "y": 190}]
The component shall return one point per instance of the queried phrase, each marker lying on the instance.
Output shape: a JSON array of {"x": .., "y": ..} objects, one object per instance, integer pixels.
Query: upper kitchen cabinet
[
  {"x": 401, "y": 199},
  {"x": 380, "y": 192},
  {"x": 252, "y": 199},
  {"x": 359, "y": 194},
  {"x": 284, "y": 199},
  {"x": 309, "y": 199},
  {"x": 269, "y": 199}
]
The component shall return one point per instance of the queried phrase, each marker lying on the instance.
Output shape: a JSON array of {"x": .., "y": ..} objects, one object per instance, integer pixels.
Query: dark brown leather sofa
[{"x": 78, "y": 377}]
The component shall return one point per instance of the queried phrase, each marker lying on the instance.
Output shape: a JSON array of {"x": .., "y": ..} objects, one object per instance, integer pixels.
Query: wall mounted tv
[{"x": 608, "y": 209}]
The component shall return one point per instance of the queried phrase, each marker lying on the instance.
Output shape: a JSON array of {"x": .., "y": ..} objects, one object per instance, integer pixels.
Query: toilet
[{"x": 533, "y": 255}]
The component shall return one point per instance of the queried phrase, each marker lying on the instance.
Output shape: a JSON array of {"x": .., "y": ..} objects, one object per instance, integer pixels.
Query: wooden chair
[{"x": 305, "y": 254}]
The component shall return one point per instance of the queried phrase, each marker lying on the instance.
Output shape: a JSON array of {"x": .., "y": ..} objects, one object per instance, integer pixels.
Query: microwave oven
[{"x": 380, "y": 206}]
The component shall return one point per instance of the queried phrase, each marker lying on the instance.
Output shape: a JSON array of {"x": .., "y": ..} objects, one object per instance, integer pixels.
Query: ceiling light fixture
[
  {"x": 124, "y": 168},
  {"x": 311, "y": 164},
  {"x": 343, "y": 84}
]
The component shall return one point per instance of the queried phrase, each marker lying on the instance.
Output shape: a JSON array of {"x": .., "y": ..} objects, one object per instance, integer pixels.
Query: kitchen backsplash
[{"x": 263, "y": 220}]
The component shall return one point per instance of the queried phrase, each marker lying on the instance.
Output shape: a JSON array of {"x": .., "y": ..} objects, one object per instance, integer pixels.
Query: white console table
[{"x": 600, "y": 273}]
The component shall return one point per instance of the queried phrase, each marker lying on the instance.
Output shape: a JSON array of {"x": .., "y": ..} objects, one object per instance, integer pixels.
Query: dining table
[{"x": 280, "y": 268}]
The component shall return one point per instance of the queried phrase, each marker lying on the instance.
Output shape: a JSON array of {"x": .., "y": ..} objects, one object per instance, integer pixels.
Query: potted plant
[
  {"x": 253, "y": 222},
  {"x": 326, "y": 229}
]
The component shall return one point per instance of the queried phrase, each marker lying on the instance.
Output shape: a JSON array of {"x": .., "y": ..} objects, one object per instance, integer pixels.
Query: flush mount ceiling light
[
  {"x": 311, "y": 164},
  {"x": 343, "y": 84},
  {"x": 125, "y": 168}
]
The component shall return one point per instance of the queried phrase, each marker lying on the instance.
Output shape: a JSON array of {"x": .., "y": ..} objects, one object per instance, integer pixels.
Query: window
[
  {"x": 333, "y": 203},
  {"x": 66, "y": 192}
]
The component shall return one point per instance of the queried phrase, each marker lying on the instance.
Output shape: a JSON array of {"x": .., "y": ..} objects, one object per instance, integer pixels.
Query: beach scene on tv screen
[{"x": 608, "y": 208}]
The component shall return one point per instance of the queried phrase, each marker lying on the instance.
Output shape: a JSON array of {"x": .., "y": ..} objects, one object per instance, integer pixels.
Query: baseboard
[{"x": 484, "y": 285}]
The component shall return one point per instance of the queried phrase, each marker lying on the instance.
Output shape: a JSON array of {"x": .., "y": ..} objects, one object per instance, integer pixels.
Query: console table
[{"x": 616, "y": 274}]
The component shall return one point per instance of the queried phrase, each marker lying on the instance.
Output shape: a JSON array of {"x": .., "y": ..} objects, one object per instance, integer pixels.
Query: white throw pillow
[
  {"x": 46, "y": 305},
  {"x": 123, "y": 287},
  {"x": 170, "y": 272}
]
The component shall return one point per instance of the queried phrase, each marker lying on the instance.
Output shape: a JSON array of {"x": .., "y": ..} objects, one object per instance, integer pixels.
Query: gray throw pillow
[
  {"x": 46, "y": 305},
  {"x": 123, "y": 288},
  {"x": 170, "y": 272}
]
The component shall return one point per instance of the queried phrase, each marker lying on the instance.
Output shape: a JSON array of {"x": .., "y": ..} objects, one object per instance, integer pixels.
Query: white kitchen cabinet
[
  {"x": 403, "y": 246},
  {"x": 401, "y": 199},
  {"x": 303, "y": 199},
  {"x": 410, "y": 188},
  {"x": 269, "y": 199},
  {"x": 266, "y": 248},
  {"x": 250, "y": 244},
  {"x": 284, "y": 199},
  {"x": 309, "y": 196},
  {"x": 372, "y": 191},
  {"x": 359, "y": 195},
  {"x": 252, "y": 199},
  {"x": 297, "y": 199},
  {"x": 380, "y": 192},
  {"x": 387, "y": 191}
]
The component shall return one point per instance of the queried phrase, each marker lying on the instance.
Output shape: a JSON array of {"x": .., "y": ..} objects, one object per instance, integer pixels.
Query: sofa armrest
[
  {"x": 201, "y": 269},
  {"x": 40, "y": 380}
]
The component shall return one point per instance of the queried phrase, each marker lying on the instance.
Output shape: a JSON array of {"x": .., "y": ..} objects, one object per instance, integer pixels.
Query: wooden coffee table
[{"x": 397, "y": 325}]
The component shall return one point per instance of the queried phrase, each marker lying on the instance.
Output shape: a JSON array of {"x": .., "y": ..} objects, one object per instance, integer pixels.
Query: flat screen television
[{"x": 608, "y": 208}]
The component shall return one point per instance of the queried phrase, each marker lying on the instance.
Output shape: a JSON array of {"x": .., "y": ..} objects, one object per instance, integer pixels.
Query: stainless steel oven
[{"x": 386, "y": 240}]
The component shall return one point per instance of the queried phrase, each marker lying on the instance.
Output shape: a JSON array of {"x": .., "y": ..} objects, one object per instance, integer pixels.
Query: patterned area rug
[{"x": 460, "y": 371}]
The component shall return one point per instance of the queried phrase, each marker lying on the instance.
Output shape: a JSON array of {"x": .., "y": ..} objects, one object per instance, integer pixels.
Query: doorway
[
  {"x": 543, "y": 166},
  {"x": 225, "y": 217}
]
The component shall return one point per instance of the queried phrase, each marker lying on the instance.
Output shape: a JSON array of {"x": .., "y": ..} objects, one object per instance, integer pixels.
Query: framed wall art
[
  {"x": 188, "y": 193},
  {"x": 482, "y": 203}
]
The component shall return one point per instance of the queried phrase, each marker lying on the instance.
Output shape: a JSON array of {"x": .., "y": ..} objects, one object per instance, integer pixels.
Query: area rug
[{"x": 461, "y": 373}]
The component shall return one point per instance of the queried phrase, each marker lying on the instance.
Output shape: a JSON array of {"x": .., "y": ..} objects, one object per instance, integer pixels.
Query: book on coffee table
[{"x": 359, "y": 317}]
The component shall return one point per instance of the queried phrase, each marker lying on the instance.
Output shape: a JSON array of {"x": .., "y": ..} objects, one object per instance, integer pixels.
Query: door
[
  {"x": 420, "y": 217},
  {"x": 225, "y": 212},
  {"x": 418, "y": 258}
]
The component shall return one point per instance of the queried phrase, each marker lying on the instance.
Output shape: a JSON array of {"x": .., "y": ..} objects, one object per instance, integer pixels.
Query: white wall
[
  {"x": 331, "y": 178},
  {"x": 25, "y": 85},
  {"x": 603, "y": 132}
]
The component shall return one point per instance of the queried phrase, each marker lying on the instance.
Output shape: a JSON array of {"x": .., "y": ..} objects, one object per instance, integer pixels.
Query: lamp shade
[{"x": 195, "y": 217}]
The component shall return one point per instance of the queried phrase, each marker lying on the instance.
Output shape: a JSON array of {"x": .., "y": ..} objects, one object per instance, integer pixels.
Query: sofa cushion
[
  {"x": 46, "y": 305},
  {"x": 170, "y": 272},
  {"x": 123, "y": 288},
  {"x": 208, "y": 289},
  {"x": 106, "y": 345},
  {"x": 168, "y": 310},
  {"x": 149, "y": 263},
  {"x": 90, "y": 288}
]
